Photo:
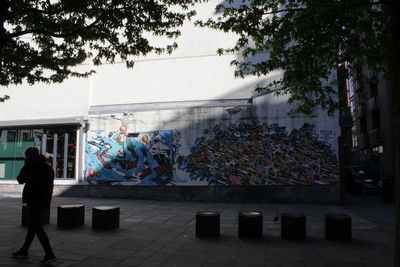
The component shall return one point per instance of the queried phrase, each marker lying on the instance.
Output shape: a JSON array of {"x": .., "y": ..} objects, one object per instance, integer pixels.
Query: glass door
[{"x": 59, "y": 147}]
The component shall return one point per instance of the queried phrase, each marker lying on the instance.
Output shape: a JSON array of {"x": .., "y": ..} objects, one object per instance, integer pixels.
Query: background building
[
  {"x": 371, "y": 127},
  {"x": 371, "y": 145},
  {"x": 179, "y": 121}
]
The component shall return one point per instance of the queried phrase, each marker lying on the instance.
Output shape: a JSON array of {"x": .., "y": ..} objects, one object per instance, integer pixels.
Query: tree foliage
[
  {"x": 42, "y": 40},
  {"x": 307, "y": 40}
]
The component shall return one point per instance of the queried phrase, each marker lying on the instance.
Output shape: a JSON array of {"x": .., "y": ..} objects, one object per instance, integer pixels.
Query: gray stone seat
[
  {"x": 293, "y": 225},
  {"x": 337, "y": 227},
  {"x": 250, "y": 224},
  {"x": 69, "y": 216},
  {"x": 105, "y": 217},
  {"x": 207, "y": 224},
  {"x": 45, "y": 216}
]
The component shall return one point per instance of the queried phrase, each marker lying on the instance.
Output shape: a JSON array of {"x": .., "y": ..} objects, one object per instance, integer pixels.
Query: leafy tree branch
[
  {"x": 42, "y": 40},
  {"x": 307, "y": 40}
]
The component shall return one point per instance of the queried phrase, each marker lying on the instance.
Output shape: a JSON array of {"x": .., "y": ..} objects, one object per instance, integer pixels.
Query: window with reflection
[{"x": 57, "y": 144}]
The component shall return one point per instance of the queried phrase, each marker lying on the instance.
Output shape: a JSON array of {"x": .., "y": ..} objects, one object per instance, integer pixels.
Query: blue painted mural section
[{"x": 145, "y": 158}]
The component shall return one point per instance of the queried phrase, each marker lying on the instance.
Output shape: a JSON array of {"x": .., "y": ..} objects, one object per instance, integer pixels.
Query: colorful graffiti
[
  {"x": 145, "y": 158},
  {"x": 239, "y": 154},
  {"x": 258, "y": 154}
]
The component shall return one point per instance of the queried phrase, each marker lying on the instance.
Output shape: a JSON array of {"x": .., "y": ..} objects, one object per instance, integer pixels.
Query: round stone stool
[
  {"x": 250, "y": 224},
  {"x": 338, "y": 227},
  {"x": 105, "y": 217},
  {"x": 293, "y": 225},
  {"x": 70, "y": 216},
  {"x": 207, "y": 224}
]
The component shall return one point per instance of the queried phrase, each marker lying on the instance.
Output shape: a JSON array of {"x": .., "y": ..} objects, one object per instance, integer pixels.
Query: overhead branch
[
  {"x": 344, "y": 7},
  {"x": 62, "y": 35},
  {"x": 377, "y": 3},
  {"x": 284, "y": 10},
  {"x": 44, "y": 12}
]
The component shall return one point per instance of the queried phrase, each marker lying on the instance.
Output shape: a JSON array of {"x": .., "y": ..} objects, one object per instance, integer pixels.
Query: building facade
[
  {"x": 371, "y": 132},
  {"x": 178, "y": 121}
]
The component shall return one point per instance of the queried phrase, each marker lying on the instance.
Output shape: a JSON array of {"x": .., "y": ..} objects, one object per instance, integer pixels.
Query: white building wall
[
  {"x": 173, "y": 79},
  {"x": 46, "y": 101},
  {"x": 192, "y": 73},
  {"x": 242, "y": 144}
]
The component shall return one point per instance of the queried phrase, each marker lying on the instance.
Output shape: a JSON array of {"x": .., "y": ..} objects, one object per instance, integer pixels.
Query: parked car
[{"x": 357, "y": 182}]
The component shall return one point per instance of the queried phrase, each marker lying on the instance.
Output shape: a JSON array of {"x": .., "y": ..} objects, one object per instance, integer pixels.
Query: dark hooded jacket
[{"x": 38, "y": 178}]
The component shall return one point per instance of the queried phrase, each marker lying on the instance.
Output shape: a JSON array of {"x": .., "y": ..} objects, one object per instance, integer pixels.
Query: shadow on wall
[
  {"x": 231, "y": 147},
  {"x": 250, "y": 59},
  {"x": 242, "y": 145}
]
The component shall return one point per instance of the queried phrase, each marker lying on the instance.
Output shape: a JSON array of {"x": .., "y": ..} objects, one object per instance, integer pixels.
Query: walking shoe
[
  {"x": 48, "y": 258},
  {"x": 20, "y": 254}
]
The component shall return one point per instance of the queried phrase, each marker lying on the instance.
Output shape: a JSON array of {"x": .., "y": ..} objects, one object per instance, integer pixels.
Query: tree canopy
[
  {"x": 42, "y": 40},
  {"x": 307, "y": 40}
]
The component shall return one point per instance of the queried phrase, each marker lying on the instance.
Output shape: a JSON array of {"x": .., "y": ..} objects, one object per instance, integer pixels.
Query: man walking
[{"x": 38, "y": 178}]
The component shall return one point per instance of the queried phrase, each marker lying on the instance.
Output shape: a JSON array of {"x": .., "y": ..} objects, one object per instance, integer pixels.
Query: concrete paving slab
[{"x": 161, "y": 233}]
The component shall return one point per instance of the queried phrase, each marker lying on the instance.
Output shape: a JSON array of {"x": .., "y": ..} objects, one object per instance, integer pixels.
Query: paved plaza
[{"x": 162, "y": 233}]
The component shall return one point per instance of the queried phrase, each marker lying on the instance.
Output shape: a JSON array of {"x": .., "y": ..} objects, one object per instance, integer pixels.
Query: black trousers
[{"x": 35, "y": 226}]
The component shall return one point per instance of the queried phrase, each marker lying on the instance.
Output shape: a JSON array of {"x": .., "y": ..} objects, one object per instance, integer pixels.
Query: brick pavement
[{"x": 161, "y": 233}]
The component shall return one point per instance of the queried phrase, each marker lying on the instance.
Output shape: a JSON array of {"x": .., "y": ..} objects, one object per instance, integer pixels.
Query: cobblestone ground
[{"x": 161, "y": 233}]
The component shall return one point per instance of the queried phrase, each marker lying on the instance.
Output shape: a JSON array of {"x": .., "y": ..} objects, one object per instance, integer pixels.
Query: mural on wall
[
  {"x": 261, "y": 154},
  {"x": 238, "y": 154},
  {"x": 145, "y": 158}
]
